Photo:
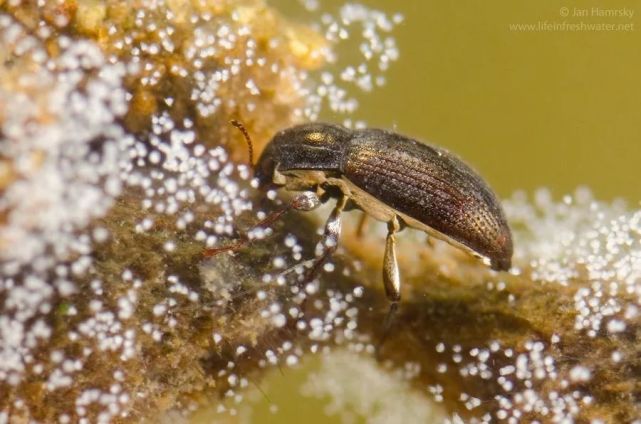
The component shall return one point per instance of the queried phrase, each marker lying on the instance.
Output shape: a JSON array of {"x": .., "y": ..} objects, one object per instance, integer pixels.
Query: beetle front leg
[
  {"x": 391, "y": 276},
  {"x": 305, "y": 201}
]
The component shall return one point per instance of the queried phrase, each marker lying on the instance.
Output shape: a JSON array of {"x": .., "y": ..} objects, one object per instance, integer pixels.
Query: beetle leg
[
  {"x": 387, "y": 325},
  {"x": 305, "y": 201},
  {"x": 430, "y": 241},
  {"x": 360, "y": 228},
  {"x": 391, "y": 276},
  {"x": 329, "y": 243}
]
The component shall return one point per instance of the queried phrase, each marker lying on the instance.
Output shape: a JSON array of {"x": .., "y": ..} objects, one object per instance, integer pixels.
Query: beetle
[{"x": 394, "y": 179}]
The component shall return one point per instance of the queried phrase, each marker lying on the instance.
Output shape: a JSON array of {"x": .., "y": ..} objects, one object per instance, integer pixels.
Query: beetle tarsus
[
  {"x": 387, "y": 325},
  {"x": 213, "y": 251}
]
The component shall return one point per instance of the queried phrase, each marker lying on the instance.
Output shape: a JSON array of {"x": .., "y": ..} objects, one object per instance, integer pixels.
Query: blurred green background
[{"x": 525, "y": 108}]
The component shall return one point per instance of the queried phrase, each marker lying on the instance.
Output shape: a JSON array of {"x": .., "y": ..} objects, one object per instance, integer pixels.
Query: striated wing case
[{"x": 432, "y": 186}]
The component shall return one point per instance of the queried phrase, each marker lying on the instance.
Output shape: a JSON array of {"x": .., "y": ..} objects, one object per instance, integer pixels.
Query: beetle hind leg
[
  {"x": 387, "y": 325},
  {"x": 391, "y": 278},
  {"x": 391, "y": 275}
]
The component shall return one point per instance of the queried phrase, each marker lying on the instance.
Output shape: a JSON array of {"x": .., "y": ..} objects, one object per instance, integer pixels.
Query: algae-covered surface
[{"x": 120, "y": 175}]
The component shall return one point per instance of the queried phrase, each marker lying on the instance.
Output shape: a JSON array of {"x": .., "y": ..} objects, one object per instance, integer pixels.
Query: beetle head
[{"x": 314, "y": 146}]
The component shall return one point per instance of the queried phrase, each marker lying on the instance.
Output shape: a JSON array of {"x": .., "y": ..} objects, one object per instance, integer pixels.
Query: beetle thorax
[{"x": 299, "y": 180}]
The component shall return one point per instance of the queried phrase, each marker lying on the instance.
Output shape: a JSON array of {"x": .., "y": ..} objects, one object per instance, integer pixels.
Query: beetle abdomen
[{"x": 433, "y": 187}]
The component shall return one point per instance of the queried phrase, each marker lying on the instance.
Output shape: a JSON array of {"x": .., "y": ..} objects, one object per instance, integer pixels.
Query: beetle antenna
[{"x": 250, "y": 146}]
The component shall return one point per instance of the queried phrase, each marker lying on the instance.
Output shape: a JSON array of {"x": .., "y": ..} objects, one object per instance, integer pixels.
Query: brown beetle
[{"x": 392, "y": 178}]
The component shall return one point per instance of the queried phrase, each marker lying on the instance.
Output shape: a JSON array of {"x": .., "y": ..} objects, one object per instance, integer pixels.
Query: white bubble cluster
[
  {"x": 355, "y": 383},
  {"x": 68, "y": 169},
  {"x": 64, "y": 138},
  {"x": 591, "y": 251},
  {"x": 372, "y": 30},
  {"x": 594, "y": 250},
  {"x": 67, "y": 165},
  {"x": 583, "y": 240}
]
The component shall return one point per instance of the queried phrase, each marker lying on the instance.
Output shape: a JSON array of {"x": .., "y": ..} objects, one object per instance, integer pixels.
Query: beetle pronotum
[{"x": 392, "y": 178}]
